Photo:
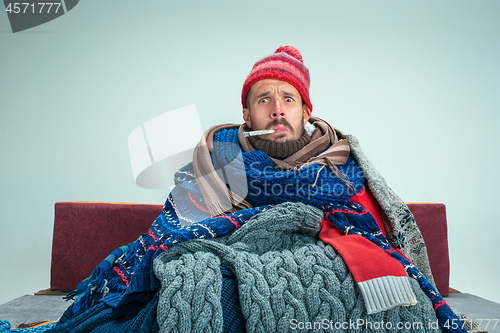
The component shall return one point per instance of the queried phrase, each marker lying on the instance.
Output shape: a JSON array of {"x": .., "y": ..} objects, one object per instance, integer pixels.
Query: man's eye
[
  {"x": 289, "y": 99},
  {"x": 264, "y": 100}
]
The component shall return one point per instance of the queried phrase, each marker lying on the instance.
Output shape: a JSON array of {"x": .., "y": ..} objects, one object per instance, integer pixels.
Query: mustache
[{"x": 280, "y": 121}]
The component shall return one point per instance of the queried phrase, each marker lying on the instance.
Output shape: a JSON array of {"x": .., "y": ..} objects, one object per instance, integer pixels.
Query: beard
[{"x": 296, "y": 132}]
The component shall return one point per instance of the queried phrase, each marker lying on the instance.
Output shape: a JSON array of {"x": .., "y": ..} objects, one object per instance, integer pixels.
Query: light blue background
[{"x": 418, "y": 82}]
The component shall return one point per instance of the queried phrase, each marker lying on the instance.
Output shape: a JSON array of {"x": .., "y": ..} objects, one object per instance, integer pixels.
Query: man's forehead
[{"x": 268, "y": 86}]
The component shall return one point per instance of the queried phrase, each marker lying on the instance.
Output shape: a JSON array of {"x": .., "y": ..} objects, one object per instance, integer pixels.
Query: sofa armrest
[
  {"x": 85, "y": 233},
  {"x": 431, "y": 220}
]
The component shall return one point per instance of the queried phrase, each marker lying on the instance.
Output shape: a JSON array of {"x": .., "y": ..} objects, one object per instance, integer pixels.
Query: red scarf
[{"x": 382, "y": 279}]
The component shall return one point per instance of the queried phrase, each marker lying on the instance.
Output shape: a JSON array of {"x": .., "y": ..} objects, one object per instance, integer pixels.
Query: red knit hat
[{"x": 285, "y": 64}]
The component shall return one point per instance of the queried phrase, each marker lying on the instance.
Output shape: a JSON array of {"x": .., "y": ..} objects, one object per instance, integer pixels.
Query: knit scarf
[
  {"x": 323, "y": 150},
  {"x": 279, "y": 150}
]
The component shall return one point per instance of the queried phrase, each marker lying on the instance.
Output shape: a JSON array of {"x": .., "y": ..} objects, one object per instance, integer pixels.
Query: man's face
[{"x": 275, "y": 104}]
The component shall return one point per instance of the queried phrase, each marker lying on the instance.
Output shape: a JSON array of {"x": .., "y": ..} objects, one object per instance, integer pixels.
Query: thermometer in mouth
[{"x": 254, "y": 133}]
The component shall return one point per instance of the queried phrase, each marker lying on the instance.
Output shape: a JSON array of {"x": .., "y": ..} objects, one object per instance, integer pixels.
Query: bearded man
[{"x": 278, "y": 224}]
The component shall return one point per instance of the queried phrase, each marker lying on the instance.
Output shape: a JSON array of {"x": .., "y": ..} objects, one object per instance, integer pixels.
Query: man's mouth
[
  {"x": 280, "y": 129},
  {"x": 280, "y": 126}
]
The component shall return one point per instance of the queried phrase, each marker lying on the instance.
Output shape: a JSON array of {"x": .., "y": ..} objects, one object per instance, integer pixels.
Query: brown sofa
[{"x": 86, "y": 232}]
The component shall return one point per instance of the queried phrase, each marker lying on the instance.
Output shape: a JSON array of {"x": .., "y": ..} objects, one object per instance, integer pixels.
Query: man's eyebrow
[
  {"x": 264, "y": 94},
  {"x": 269, "y": 92},
  {"x": 289, "y": 93}
]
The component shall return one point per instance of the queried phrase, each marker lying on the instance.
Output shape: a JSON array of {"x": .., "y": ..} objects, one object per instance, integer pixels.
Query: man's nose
[{"x": 277, "y": 109}]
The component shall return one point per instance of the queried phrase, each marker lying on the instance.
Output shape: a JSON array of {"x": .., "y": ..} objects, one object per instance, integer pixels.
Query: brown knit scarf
[
  {"x": 279, "y": 150},
  {"x": 323, "y": 148}
]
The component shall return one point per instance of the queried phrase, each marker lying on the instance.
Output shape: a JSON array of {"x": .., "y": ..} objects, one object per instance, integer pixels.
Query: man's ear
[
  {"x": 246, "y": 117},
  {"x": 307, "y": 113}
]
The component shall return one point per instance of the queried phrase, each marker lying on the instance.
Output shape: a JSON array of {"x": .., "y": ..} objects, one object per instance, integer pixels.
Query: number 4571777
[{"x": 34, "y": 8}]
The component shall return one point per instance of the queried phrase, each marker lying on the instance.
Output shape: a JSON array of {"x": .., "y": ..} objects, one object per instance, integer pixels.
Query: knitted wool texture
[
  {"x": 131, "y": 278},
  {"x": 279, "y": 150},
  {"x": 285, "y": 64},
  {"x": 284, "y": 274},
  {"x": 127, "y": 275},
  {"x": 313, "y": 185},
  {"x": 136, "y": 316}
]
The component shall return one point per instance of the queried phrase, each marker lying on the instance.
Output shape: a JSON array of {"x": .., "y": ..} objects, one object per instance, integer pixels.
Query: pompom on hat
[{"x": 285, "y": 64}]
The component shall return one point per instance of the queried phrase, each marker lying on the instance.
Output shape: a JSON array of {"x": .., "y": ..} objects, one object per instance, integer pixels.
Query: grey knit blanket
[{"x": 288, "y": 280}]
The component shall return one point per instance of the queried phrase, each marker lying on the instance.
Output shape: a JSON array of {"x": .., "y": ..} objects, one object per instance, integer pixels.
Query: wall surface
[{"x": 416, "y": 81}]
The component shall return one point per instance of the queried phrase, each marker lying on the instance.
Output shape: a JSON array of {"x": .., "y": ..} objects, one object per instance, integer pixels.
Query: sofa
[{"x": 86, "y": 232}]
